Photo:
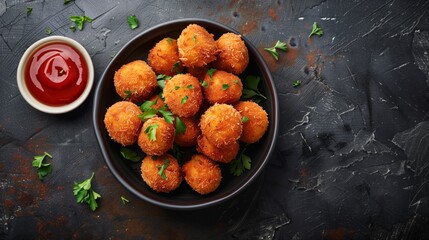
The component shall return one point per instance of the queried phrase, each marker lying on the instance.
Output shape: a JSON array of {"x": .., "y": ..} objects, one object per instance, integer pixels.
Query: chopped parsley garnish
[
  {"x": 296, "y": 83},
  {"x": 225, "y": 86},
  {"x": 150, "y": 113},
  {"x": 124, "y": 200},
  {"x": 170, "y": 41},
  {"x": 240, "y": 164},
  {"x": 251, "y": 87},
  {"x": 180, "y": 126},
  {"x": 176, "y": 67},
  {"x": 43, "y": 169},
  {"x": 236, "y": 81},
  {"x": 190, "y": 86},
  {"x": 273, "y": 50},
  {"x": 184, "y": 99},
  {"x": 133, "y": 22},
  {"x": 130, "y": 155},
  {"x": 29, "y": 10},
  {"x": 316, "y": 30},
  {"x": 48, "y": 31},
  {"x": 148, "y": 105},
  {"x": 244, "y": 119},
  {"x": 67, "y": 1},
  {"x": 80, "y": 21},
  {"x": 167, "y": 115},
  {"x": 176, "y": 87},
  {"x": 85, "y": 194},
  {"x": 162, "y": 168},
  {"x": 194, "y": 38},
  {"x": 161, "y": 79},
  {"x": 127, "y": 94},
  {"x": 151, "y": 131},
  {"x": 204, "y": 84},
  {"x": 211, "y": 71}
]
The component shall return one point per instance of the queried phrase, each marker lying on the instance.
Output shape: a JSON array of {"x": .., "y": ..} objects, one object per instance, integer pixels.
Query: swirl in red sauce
[{"x": 56, "y": 74}]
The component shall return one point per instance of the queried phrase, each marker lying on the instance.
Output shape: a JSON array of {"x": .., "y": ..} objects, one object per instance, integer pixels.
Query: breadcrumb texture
[
  {"x": 223, "y": 87},
  {"x": 164, "y": 137},
  {"x": 233, "y": 54},
  {"x": 202, "y": 174},
  {"x": 222, "y": 155},
  {"x": 164, "y": 57},
  {"x": 150, "y": 168},
  {"x": 257, "y": 125}
]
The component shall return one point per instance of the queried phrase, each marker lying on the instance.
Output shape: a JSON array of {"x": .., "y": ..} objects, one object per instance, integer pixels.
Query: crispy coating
[
  {"x": 164, "y": 136},
  {"x": 257, "y": 125},
  {"x": 221, "y": 124},
  {"x": 122, "y": 122},
  {"x": 164, "y": 57},
  {"x": 223, "y": 87},
  {"x": 159, "y": 102},
  {"x": 189, "y": 137},
  {"x": 223, "y": 155},
  {"x": 183, "y": 95},
  {"x": 198, "y": 72},
  {"x": 152, "y": 174},
  {"x": 202, "y": 174},
  {"x": 233, "y": 54},
  {"x": 135, "y": 81},
  {"x": 196, "y": 46}
]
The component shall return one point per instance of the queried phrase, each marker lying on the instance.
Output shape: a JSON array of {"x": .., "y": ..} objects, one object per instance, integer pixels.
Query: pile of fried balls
[{"x": 202, "y": 90}]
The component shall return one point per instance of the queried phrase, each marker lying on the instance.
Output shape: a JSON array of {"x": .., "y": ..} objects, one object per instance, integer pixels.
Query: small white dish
[{"x": 26, "y": 94}]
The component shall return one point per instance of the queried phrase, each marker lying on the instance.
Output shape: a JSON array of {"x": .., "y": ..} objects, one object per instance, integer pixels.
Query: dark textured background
[{"x": 352, "y": 157}]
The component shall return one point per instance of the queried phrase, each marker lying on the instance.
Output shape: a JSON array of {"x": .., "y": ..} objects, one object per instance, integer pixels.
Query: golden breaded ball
[
  {"x": 233, "y": 55},
  {"x": 255, "y": 121},
  {"x": 164, "y": 57},
  {"x": 222, "y": 87},
  {"x": 183, "y": 95},
  {"x": 122, "y": 122},
  {"x": 156, "y": 136},
  {"x": 202, "y": 174},
  {"x": 221, "y": 124},
  {"x": 135, "y": 81},
  {"x": 196, "y": 46},
  {"x": 159, "y": 103},
  {"x": 198, "y": 72},
  {"x": 189, "y": 137},
  {"x": 223, "y": 155},
  {"x": 161, "y": 173}
]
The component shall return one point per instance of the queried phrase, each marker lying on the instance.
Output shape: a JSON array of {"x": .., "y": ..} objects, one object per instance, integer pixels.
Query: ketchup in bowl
[{"x": 56, "y": 74}]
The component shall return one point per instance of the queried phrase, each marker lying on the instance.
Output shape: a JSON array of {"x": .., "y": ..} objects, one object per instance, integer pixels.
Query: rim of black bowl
[{"x": 100, "y": 130}]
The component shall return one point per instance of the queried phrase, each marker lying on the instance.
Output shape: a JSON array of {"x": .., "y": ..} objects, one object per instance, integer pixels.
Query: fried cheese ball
[
  {"x": 189, "y": 137},
  {"x": 156, "y": 136},
  {"x": 183, "y": 95},
  {"x": 202, "y": 174},
  {"x": 135, "y": 81},
  {"x": 164, "y": 57},
  {"x": 223, "y": 155},
  {"x": 161, "y": 173},
  {"x": 122, "y": 122},
  {"x": 233, "y": 55},
  {"x": 222, "y": 87},
  {"x": 255, "y": 122},
  {"x": 196, "y": 46},
  {"x": 221, "y": 124}
]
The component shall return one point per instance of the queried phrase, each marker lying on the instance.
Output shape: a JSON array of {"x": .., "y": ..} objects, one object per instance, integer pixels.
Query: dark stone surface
[{"x": 351, "y": 160}]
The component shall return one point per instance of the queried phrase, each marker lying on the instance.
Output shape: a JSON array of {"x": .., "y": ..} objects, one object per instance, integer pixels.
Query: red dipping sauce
[{"x": 56, "y": 74}]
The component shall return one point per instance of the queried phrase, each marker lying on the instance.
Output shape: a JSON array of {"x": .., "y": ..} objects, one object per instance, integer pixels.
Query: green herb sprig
[
  {"x": 43, "y": 169},
  {"x": 80, "y": 21},
  {"x": 85, "y": 194},
  {"x": 240, "y": 164},
  {"x": 250, "y": 88},
  {"x": 162, "y": 168},
  {"x": 133, "y": 22},
  {"x": 316, "y": 30},
  {"x": 273, "y": 50},
  {"x": 129, "y": 154}
]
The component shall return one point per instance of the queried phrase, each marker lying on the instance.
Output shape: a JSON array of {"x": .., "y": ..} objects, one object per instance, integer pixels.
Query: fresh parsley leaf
[
  {"x": 296, "y": 83},
  {"x": 151, "y": 131},
  {"x": 251, "y": 87},
  {"x": 48, "y": 31},
  {"x": 204, "y": 84},
  {"x": 133, "y": 22},
  {"x": 190, "y": 86},
  {"x": 316, "y": 30},
  {"x": 43, "y": 169},
  {"x": 177, "y": 152},
  {"x": 29, "y": 10},
  {"x": 168, "y": 116},
  {"x": 85, "y": 194},
  {"x": 180, "y": 126},
  {"x": 176, "y": 87},
  {"x": 244, "y": 119},
  {"x": 225, "y": 86},
  {"x": 127, "y": 94},
  {"x": 170, "y": 41},
  {"x": 162, "y": 168},
  {"x": 176, "y": 67},
  {"x": 130, "y": 155},
  {"x": 184, "y": 99},
  {"x": 80, "y": 21},
  {"x": 236, "y": 81},
  {"x": 147, "y": 105},
  {"x": 150, "y": 113},
  {"x": 124, "y": 200},
  {"x": 194, "y": 38},
  {"x": 67, "y": 1},
  {"x": 211, "y": 71},
  {"x": 161, "y": 80},
  {"x": 273, "y": 50},
  {"x": 240, "y": 164}
]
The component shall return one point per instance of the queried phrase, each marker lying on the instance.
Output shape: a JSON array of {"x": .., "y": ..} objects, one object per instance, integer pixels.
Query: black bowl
[{"x": 128, "y": 173}]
